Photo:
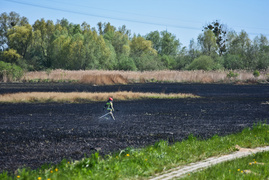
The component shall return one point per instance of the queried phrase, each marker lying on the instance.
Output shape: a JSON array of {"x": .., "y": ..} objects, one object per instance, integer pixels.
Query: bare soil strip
[
  {"x": 85, "y": 96},
  {"x": 183, "y": 170}
]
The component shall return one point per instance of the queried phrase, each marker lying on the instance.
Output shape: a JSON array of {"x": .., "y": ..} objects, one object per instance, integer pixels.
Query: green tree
[
  {"x": 90, "y": 37},
  {"x": 168, "y": 61},
  {"x": 104, "y": 28},
  {"x": 123, "y": 30},
  {"x": 261, "y": 46},
  {"x": 118, "y": 43},
  {"x": 76, "y": 52},
  {"x": 155, "y": 38},
  {"x": 43, "y": 38},
  {"x": 126, "y": 63},
  {"x": 140, "y": 46},
  {"x": 193, "y": 51},
  {"x": 241, "y": 45},
  {"x": 164, "y": 43},
  {"x": 10, "y": 56},
  {"x": 169, "y": 44},
  {"x": 60, "y": 47},
  {"x": 102, "y": 53},
  {"x": 7, "y": 21},
  {"x": 148, "y": 62},
  {"x": 20, "y": 38},
  {"x": 207, "y": 42},
  {"x": 220, "y": 33},
  {"x": 186, "y": 56},
  {"x": 233, "y": 61}
]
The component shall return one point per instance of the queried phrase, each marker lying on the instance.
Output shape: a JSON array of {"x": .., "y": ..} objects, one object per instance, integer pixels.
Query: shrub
[
  {"x": 256, "y": 73},
  {"x": 232, "y": 74},
  {"x": 202, "y": 63},
  {"x": 168, "y": 61},
  {"x": 126, "y": 63},
  {"x": 233, "y": 62},
  {"x": 10, "y": 72},
  {"x": 148, "y": 63},
  {"x": 10, "y": 56}
]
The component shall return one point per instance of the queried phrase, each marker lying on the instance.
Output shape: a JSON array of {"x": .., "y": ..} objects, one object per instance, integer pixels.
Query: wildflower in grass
[
  {"x": 18, "y": 176},
  {"x": 238, "y": 170},
  {"x": 250, "y": 163},
  {"x": 56, "y": 169},
  {"x": 255, "y": 162},
  {"x": 49, "y": 179},
  {"x": 242, "y": 171},
  {"x": 127, "y": 155},
  {"x": 146, "y": 159},
  {"x": 39, "y": 178},
  {"x": 51, "y": 171}
]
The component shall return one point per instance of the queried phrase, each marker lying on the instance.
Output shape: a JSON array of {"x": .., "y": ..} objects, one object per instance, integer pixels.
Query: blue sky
[{"x": 183, "y": 18}]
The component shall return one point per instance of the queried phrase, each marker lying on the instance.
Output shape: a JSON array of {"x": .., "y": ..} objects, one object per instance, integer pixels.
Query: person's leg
[
  {"x": 112, "y": 115},
  {"x": 104, "y": 115}
]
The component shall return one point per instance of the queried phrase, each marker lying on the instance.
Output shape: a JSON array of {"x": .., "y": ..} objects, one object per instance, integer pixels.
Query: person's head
[{"x": 110, "y": 99}]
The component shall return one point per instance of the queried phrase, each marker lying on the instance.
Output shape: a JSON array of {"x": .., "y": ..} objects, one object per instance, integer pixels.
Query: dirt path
[{"x": 183, "y": 170}]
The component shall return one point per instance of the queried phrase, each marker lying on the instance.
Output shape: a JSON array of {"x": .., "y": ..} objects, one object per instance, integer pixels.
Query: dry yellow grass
[
  {"x": 101, "y": 77},
  {"x": 75, "y": 97}
]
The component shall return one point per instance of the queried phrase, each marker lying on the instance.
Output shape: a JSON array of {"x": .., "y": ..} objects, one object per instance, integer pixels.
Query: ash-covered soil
[{"x": 34, "y": 134}]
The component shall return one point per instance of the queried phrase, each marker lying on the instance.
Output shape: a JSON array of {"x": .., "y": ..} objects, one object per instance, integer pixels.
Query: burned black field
[{"x": 35, "y": 134}]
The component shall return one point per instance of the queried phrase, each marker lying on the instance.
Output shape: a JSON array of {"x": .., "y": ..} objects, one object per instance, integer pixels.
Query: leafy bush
[
  {"x": 168, "y": 61},
  {"x": 256, "y": 73},
  {"x": 232, "y": 74},
  {"x": 10, "y": 56},
  {"x": 10, "y": 72},
  {"x": 202, "y": 63},
  {"x": 126, "y": 63},
  {"x": 233, "y": 62},
  {"x": 148, "y": 63}
]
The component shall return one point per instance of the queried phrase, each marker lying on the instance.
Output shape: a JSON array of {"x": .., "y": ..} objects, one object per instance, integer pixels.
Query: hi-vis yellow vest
[{"x": 108, "y": 105}]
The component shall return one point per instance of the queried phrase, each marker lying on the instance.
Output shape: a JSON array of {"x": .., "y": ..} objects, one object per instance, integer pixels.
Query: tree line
[{"x": 48, "y": 45}]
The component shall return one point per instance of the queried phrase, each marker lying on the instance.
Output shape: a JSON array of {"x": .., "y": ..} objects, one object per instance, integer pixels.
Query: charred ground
[{"x": 34, "y": 134}]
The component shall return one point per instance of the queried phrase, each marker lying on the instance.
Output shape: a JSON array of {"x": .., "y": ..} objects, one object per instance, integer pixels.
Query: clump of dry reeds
[
  {"x": 101, "y": 77},
  {"x": 104, "y": 79},
  {"x": 74, "y": 97}
]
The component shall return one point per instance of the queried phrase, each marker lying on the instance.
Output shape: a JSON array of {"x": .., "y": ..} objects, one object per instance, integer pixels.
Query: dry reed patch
[
  {"x": 103, "y": 79},
  {"x": 76, "y": 97},
  {"x": 123, "y": 77}
]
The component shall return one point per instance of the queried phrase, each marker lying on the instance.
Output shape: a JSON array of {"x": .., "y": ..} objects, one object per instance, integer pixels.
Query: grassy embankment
[
  {"x": 254, "y": 167},
  {"x": 142, "y": 163}
]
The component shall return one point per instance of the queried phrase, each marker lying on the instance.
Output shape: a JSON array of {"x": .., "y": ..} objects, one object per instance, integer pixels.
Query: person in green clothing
[{"x": 109, "y": 107}]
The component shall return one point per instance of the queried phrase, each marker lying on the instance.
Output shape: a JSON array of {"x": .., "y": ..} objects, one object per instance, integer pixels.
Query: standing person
[{"x": 109, "y": 107}]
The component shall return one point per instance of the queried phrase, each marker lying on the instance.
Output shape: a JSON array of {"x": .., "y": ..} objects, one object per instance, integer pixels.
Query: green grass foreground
[
  {"x": 253, "y": 167},
  {"x": 142, "y": 163}
]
